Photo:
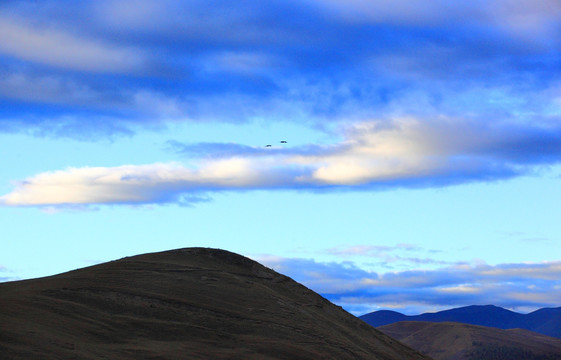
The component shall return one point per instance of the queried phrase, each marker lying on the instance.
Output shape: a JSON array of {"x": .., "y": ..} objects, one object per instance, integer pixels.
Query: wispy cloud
[
  {"x": 373, "y": 155},
  {"x": 389, "y": 256},
  {"x": 4, "y": 271},
  {"x": 51, "y": 46},
  {"x": 370, "y": 250},
  {"x": 53, "y": 89},
  {"x": 523, "y": 285},
  {"x": 529, "y": 238},
  {"x": 533, "y": 20}
]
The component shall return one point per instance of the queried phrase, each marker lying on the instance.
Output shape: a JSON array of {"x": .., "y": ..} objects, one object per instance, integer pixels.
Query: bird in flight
[
  {"x": 283, "y": 141},
  {"x": 268, "y": 145}
]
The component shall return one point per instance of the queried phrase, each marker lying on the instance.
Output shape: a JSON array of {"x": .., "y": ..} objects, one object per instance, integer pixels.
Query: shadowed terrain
[
  {"x": 190, "y": 303},
  {"x": 456, "y": 341},
  {"x": 546, "y": 321}
]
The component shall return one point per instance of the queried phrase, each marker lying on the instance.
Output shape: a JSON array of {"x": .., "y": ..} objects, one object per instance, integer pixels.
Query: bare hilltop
[{"x": 193, "y": 303}]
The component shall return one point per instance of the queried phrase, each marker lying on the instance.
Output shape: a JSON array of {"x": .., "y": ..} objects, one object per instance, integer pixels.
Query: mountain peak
[
  {"x": 208, "y": 258},
  {"x": 195, "y": 303}
]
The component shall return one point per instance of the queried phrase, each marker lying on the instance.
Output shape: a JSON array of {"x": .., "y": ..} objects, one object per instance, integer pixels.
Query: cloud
[
  {"x": 530, "y": 19},
  {"x": 224, "y": 150},
  {"x": 403, "y": 12},
  {"x": 3, "y": 272},
  {"x": 220, "y": 150},
  {"x": 132, "y": 184},
  {"x": 84, "y": 127},
  {"x": 67, "y": 106},
  {"x": 374, "y": 155},
  {"x": 56, "y": 90},
  {"x": 523, "y": 286},
  {"x": 54, "y": 47},
  {"x": 370, "y": 250},
  {"x": 312, "y": 62},
  {"x": 388, "y": 256}
]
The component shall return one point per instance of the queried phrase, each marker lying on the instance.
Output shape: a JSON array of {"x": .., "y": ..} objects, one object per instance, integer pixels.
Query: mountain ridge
[{"x": 545, "y": 321}]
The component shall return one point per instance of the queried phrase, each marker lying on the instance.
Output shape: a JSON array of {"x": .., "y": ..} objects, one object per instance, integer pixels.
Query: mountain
[
  {"x": 456, "y": 341},
  {"x": 193, "y": 303},
  {"x": 545, "y": 321}
]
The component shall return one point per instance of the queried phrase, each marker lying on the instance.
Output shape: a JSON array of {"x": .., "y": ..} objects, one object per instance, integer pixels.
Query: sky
[{"x": 397, "y": 155}]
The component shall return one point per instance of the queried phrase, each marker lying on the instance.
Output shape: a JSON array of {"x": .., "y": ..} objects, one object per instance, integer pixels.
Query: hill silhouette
[
  {"x": 545, "y": 321},
  {"x": 193, "y": 303},
  {"x": 456, "y": 341}
]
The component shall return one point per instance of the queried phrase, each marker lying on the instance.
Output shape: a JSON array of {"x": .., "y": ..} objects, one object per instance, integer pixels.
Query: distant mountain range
[
  {"x": 193, "y": 303},
  {"x": 545, "y": 321},
  {"x": 456, "y": 341}
]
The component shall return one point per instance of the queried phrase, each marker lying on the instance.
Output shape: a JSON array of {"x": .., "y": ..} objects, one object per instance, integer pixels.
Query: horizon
[{"x": 400, "y": 156}]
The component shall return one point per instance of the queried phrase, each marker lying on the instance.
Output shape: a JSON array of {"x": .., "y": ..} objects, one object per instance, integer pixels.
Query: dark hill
[
  {"x": 544, "y": 321},
  {"x": 455, "y": 341},
  {"x": 191, "y": 303},
  {"x": 383, "y": 317}
]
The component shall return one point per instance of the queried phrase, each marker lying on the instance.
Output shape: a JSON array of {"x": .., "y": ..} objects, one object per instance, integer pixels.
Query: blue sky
[{"x": 421, "y": 169}]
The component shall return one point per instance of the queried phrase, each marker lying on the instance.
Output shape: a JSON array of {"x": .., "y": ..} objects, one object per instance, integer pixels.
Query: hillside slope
[
  {"x": 455, "y": 341},
  {"x": 190, "y": 303}
]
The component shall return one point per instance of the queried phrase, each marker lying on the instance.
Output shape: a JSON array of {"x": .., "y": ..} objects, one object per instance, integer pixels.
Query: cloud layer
[
  {"x": 143, "y": 62},
  {"x": 524, "y": 286},
  {"x": 373, "y": 155}
]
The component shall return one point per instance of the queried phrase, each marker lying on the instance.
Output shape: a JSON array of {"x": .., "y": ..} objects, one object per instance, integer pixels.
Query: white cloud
[
  {"x": 130, "y": 183},
  {"x": 551, "y": 272},
  {"x": 373, "y": 154},
  {"x": 55, "y": 47},
  {"x": 462, "y": 288}
]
